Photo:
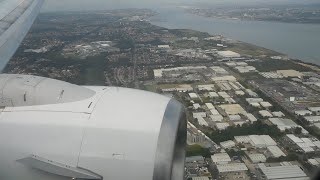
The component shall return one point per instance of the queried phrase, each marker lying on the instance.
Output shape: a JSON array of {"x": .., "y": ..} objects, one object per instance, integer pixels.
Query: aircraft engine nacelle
[{"x": 53, "y": 130}]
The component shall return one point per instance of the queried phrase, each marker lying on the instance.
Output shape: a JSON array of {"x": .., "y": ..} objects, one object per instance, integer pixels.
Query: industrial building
[
  {"x": 220, "y": 158},
  {"x": 233, "y": 109},
  {"x": 283, "y": 123},
  {"x": 193, "y": 96},
  {"x": 275, "y": 151},
  {"x": 303, "y": 113},
  {"x": 257, "y": 158},
  {"x": 290, "y": 73},
  {"x": 206, "y": 87},
  {"x": 265, "y": 114},
  {"x": 251, "y": 117},
  {"x": 201, "y": 178},
  {"x": 222, "y": 126},
  {"x": 227, "y": 144},
  {"x": 216, "y": 118},
  {"x": 228, "y": 54},
  {"x": 232, "y": 167},
  {"x": 224, "y": 78},
  {"x": 213, "y": 95},
  {"x": 284, "y": 170},
  {"x": 242, "y": 139},
  {"x": 261, "y": 141},
  {"x": 312, "y": 119},
  {"x": 305, "y": 144}
]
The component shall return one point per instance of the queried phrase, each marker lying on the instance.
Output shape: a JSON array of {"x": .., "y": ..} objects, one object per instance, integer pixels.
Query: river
[{"x": 301, "y": 41}]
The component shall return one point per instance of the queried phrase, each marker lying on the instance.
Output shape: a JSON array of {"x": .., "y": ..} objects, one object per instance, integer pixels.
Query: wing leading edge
[{"x": 16, "y": 18}]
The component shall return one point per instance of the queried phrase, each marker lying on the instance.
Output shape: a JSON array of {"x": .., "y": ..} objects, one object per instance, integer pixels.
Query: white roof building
[
  {"x": 193, "y": 96},
  {"x": 314, "y": 109},
  {"x": 210, "y": 106},
  {"x": 294, "y": 138},
  {"x": 219, "y": 70},
  {"x": 275, "y": 151},
  {"x": 235, "y": 117},
  {"x": 228, "y": 54},
  {"x": 251, "y": 93},
  {"x": 266, "y": 104},
  {"x": 305, "y": 144},
  {"x": 257, "y": 158},
  {"x": 254, "y": 100},
  {"x": 214, "y": 112},
  {"x": 303, "y": 113},
  {"x": 208, "y": 87},
  {"x": 216, "y": 118},
  {"x": 196, "y": 106},
  {"x": 278, "y": 114},
  {"x": 283, "y": 171},
  {"x": 221, "y": 158},
  {"x": 255, "y": 104},
  {"x": 240, "y": 93},
  {"x": 200, "y": 178},
  {"x": 261, "y": 141},
  {"x": 265, "y": 114},
  {"x": 232, "y": 109},
  {"x": 213, "y": 94},
  {"x": 199, "y": 114},
  {"x": 290, "y": 73},
  {"x": 312, "y": 119},
  {"x": 283, "y": 124},
  {"x": 227, "y": 144},
  {"x": 224, "y": 94},
  {"x": 232, "y": 167},
  {"x": 251, "y": 117},
  {"x": 222, "y": 126},
  {"x": 242, "y": 139},
  {"x": 202, "y": 121},
  {"x": 224, "y": 78}
]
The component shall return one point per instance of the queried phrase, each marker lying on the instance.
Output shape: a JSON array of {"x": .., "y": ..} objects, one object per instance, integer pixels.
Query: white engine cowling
[{"x": 53, "y": 130}]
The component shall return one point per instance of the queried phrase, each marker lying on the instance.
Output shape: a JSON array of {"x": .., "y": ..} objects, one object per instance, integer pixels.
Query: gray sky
[{"x": 61, "y": 5}]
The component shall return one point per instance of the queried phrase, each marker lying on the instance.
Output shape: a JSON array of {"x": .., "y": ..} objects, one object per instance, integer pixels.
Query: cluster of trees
[
  {"x": 257, "y": 128},
  {"x": 197, "y": 150}
]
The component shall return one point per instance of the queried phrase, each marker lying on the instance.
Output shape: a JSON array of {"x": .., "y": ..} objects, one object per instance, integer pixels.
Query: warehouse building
[
  {"x": 275, "y": 151},
  {"x": 220, "y": 158},
  {"x": 261, "y": 141},
  {"x": 232, "y": 167},
  {"x": 257, "y": 158},
  {"x": 242, "y": 139},
  {"x": 228, "y": 54},
  {"x": 213, "y": 95},
  {"x": 222, "y": 126},
  {"x": 251, "y": 117},
  {"x": 314, "y": 110},
  {"x": 284, "y": 170},
  {"x": 193, "y": 96},
  {"x": 206, "y": 87},
  {"x": 312, "y": 119},
  {"x": 216, "y": 117},
  {"x": 283, "y": 123},
  {"x": 233, "y": 109},
  {"x": 227, "y": 144},
  {"x": 265, "y": 114},
  {"x": 303, "y": 113}
]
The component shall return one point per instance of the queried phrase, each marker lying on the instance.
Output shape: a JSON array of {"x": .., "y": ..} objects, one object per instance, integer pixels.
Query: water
[{"x": 301, "y": 41}]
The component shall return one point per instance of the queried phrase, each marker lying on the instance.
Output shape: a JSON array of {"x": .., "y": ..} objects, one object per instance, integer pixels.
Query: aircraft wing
[{"x": 16, "y": 18}]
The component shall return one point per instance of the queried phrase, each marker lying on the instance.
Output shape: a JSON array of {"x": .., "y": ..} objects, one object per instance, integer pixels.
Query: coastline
[{"x": 297, "y": 41}]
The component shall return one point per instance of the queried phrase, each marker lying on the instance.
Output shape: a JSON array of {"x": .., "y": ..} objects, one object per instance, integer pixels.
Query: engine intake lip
[{"x": 170, "y": 154}]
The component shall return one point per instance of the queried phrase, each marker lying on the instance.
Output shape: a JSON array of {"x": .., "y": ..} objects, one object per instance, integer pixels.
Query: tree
[{"x": 297, "y": 130}]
